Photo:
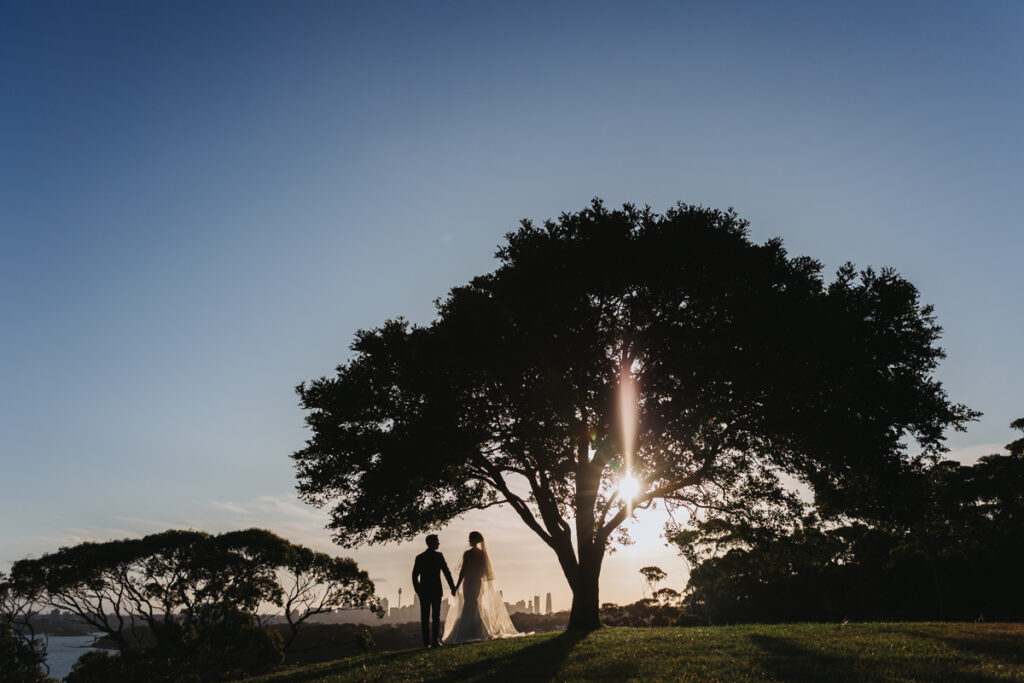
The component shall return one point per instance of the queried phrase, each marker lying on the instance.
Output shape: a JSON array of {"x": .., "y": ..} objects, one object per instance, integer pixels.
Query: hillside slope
[{"x": 787, "y": 652}]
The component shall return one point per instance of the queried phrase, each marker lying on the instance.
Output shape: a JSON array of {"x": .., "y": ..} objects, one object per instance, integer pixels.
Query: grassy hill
[{"x": 788, "y": 652}]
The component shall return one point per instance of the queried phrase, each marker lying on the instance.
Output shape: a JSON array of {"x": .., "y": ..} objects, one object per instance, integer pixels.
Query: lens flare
[
  {"x": 629, "y": 488},
  {"x": 628, "y": 416}
]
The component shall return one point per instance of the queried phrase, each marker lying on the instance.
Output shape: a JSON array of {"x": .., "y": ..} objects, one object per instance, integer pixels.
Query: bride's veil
[
  {"x": 488, "y": 568},
  {"x": 493, "y": 620}
]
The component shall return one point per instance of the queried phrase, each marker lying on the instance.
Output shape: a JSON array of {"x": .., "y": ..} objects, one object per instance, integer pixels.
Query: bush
[
  {"x": 319, "y": 642},
  {"x": 20, "y": 659},
  {"x": 211, "y": 655},
  {"x": 646, "y": 612}
]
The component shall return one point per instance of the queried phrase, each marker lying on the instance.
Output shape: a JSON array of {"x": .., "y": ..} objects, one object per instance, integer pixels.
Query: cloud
[
  {"x": 75, "y": 535},
  {"x": 284, "y": 514},
  {"x": 144, "y": 523},
  {"x": 969, "y": 455},
  {"x": 70, "y": 536},
  {"x": 233, "y": 508}
]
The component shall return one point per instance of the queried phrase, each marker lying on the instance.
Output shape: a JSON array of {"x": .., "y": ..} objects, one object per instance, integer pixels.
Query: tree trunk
[{"x": 586, "y": 605}]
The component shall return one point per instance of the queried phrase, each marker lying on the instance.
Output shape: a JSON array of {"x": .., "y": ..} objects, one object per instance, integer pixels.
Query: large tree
[
  {"x": 167, "y": 586},
  {"x": 667, "y": 351}
]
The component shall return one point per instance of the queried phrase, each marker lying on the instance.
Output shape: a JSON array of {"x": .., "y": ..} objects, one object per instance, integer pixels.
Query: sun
[{"x": 629, "y": 487}]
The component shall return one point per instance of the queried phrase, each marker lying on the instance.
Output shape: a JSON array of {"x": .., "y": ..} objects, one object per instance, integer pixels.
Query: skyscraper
[
  {"x": 536, "y": 604},
  {"x": 547, "y": 606}
]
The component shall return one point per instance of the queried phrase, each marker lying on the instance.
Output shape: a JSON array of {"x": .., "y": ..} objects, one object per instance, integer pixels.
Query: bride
[{"x": 477, "y": 612}]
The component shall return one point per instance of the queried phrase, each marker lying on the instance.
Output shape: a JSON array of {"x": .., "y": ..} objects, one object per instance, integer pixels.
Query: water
[{"x": 63, "y": 651}]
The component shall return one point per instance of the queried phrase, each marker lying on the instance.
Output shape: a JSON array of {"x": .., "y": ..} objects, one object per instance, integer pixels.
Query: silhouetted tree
[
  {"x": 652, "y": 576},
  {"x": 744, "y": 362},
  {"x": 957, "y": 557},
  {"x": 20, "y": 660},
  {"x": 315, "y": 583},
  {"x": 191, "y": 596},
  {"x": 22, "y": 655},
  {"x": 667, "y": 596}
]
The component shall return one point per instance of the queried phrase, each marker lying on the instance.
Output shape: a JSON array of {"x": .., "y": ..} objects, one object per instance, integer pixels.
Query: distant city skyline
[{"x": 200, "y": 204}]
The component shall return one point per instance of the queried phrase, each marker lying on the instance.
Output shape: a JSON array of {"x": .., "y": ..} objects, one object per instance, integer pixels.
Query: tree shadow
[
  {"x": 789, "y": 661},
  {"x": 1006, "y": 648},
  {"x": 346, "y": 666},
  {"x": 539, "y": 662}
]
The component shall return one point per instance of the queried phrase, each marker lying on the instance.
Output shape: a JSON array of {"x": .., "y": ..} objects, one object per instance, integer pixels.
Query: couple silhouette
[{"x": 477, "y": 612}]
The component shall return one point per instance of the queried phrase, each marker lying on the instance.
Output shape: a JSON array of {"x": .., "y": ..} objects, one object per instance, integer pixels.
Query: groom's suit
[{"x": 426, "y": 579}]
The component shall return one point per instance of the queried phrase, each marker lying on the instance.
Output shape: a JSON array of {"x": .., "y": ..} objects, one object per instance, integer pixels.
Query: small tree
[
  {"x": 619, "y": 358},
  {"x": 1016, "y": 447},
  {"x": 652, "y": 577},
  {"x": 316, "y": 583},
  {"x": 667, "y": 596}
]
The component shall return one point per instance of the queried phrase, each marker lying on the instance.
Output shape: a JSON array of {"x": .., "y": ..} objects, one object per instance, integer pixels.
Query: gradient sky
[{"x": 200, "y": 203}]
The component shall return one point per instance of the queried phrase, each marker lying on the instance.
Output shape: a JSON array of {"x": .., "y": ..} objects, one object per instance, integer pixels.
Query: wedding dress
[{"x": 478, "y": 611}]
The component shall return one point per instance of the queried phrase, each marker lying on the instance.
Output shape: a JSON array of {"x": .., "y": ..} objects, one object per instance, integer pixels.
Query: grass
[{"x": 786, "y": 652}]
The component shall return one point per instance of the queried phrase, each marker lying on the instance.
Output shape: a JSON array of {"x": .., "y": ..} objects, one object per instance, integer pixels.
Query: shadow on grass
[
  {"x": 1005, "y": 648},
  {"x": 347, "y": 666},
  {"x": 539, "y": 662},
  {"x": 787, "y": 660}
]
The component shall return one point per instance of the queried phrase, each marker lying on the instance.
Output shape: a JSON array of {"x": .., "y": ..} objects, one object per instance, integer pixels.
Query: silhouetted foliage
[
  {"x": 21, "y": 660},
  {"x": 652, "y": 576},
  {"x": 316, "y": 583},
  {"x": 226, "y": 651},
  {"x": 646, "y": 612},
  {"x": 22, "y": 655},
  {"x": 747, "y": 366},
  {"x": 667, "y": 596},
  {"x": 188, "y": 601},
  {"x": 958, "y": 558}
]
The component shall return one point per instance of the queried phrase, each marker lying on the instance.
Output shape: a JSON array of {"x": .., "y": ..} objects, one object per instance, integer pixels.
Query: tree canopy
[
  {"x": 743, "y": 365},
  {"x": 652, "y": 577},
  {"x": 957, "y": 557},
  {"x": 199, "y": 599}
]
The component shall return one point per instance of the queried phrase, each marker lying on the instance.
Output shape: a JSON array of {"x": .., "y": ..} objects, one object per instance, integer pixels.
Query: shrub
[
  {"x": 20, "y": 659},
  {"x": 217, "y": 654}
]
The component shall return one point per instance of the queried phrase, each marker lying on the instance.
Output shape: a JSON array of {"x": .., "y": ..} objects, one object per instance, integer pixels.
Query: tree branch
[{"x": 518, "y": 504}]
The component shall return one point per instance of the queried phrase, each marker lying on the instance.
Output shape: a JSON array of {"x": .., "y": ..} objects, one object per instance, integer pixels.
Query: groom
[{"x": 426, "y": 580}]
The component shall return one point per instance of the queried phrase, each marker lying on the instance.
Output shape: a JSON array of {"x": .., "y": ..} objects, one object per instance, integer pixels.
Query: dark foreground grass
[{"x": 787, "y": 652}]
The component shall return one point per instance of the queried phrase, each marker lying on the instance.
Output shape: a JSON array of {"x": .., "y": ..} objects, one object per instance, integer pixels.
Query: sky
[{"x": 200, "y": 203}]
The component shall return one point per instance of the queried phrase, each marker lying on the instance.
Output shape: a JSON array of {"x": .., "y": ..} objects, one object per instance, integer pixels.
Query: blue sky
[{"x": 201, "y": 202}]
